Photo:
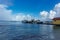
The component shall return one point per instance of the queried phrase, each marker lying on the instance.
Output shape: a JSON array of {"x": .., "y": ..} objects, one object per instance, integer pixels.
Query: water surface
[{"x": 21, "y": 31}]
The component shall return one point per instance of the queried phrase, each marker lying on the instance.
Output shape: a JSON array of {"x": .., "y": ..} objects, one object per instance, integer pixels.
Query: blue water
[{"x": 21, "y": 31}]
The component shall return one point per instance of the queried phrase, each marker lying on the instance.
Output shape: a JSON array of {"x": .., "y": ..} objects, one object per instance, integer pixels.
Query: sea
[{"x": 26, "y": 31}]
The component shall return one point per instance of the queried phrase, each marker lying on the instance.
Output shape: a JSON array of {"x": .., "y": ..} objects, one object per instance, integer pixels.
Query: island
[{"x": 32, "y": 21}]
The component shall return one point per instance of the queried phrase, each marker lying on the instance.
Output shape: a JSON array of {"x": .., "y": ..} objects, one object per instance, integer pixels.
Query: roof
[{"x": 58, "y": 18}]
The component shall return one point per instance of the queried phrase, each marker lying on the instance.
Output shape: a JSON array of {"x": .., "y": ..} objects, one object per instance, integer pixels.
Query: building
[{"x": 56, "y": 20}]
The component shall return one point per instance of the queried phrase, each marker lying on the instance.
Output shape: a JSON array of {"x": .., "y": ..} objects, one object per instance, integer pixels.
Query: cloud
[
  {"x": 43, "y": 15},
  {"x": 57, "y": 5},
  {"x": 29, "y": 17},
  {"x": 57, "y": 10},
  {"x": 47, "y": 15},
  {"x": 52, "y": 14},
  {"x": 6, "y": 14},
  {"x": 21, "y": 16}
]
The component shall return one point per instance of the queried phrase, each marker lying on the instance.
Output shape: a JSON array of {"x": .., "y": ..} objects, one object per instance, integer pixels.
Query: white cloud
[
  {"x": 6, "y": 14},
  {"x": 43, "y": 15},
  {"x": 19, "y": 17},
  {"x": 52, "y": 14},
  {"x": 22, "y": 17},
  {"x": 57, "y": 10},
  {"x": 57, "y": 5},
  {"x": 28, "y": 17},
  {"x": 47, "y": 15}
]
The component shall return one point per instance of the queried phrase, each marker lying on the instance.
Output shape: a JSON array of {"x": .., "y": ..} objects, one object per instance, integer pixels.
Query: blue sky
[
  {"x": 37, "y": 8},
  {"x": 33, "y": 6}
]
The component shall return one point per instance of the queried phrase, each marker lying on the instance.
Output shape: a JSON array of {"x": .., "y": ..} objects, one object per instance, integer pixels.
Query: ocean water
[{"x": 23, "y": 31}]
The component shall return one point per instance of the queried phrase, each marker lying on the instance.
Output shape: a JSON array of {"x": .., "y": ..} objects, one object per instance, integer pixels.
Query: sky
[{"x": 18, "y": 10}]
